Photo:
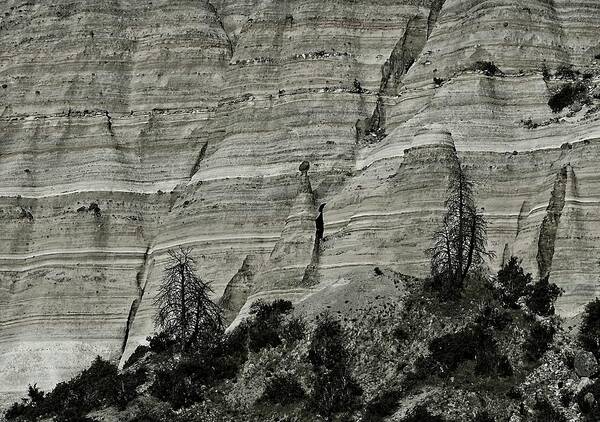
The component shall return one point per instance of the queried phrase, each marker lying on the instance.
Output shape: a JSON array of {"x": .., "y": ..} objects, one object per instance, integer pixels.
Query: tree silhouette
[
  {"x": 460, "y": 242},
  {"x": 185, "y": 310}
]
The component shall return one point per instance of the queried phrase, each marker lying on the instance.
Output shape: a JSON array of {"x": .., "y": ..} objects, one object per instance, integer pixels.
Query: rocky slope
[{"x": 129, "y": 128}]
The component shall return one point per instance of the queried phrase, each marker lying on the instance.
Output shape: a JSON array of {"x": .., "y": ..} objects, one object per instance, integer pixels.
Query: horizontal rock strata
[{"x": 128, "y": 128}]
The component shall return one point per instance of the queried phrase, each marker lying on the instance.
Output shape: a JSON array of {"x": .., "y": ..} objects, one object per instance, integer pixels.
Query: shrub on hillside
[
  {"x": 589, "y": 332},
  {"x": 334, "y": 390},
  {"x": 539, "y": 339},
  {"x": 283, "y": 389},
  {"x": 541, "y": 297},
  {"x": 265, "y": 329},
  {"x": 472, "y": 343},
  {"x": 513, "y": 282},
  {"x": 98, "y": 386},
  {"x": 184, "y": 384},
  {"x": 493, "y": 317},
  {"x": 161, "y": 342}
]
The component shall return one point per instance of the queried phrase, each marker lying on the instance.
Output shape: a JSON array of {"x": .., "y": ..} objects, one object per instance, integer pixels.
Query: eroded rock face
[{"x": 128, "y": 128}]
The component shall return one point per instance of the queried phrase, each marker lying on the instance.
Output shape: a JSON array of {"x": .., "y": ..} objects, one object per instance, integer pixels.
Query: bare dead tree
[
  {"x": 460, "y": 242},
  {"x": 185, "y": 310}
]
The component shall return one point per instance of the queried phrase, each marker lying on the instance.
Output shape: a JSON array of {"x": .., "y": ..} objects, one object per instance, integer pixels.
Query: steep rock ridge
[
  {"x": 547, "y": 239},
  {"x": 184, "y": 122}
]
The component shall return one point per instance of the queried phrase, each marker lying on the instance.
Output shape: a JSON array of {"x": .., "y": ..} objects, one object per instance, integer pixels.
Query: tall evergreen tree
[
  {"x": 185, "y": 310},
  {"x": 460, "y": 242}
]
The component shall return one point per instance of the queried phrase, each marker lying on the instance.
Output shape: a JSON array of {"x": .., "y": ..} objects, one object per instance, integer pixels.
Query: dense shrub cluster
[
  {"x": 513, "y": 282},
  {"x": 334, "y": 389},
  {"x": 539, "y": 339},
  {"x": 267, "y": 328},
  {"x": 474, "y": 343},
  {"x": 98, "y": 386},
  {"x": 187, "y": 381},
  {"x": 283, "y": 389},
  {"x": 589, "y": 332},
  {"x": 541, "y": 297}
]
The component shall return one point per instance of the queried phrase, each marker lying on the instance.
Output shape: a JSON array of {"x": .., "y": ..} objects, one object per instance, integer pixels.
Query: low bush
[
  {"x": 539, "y": 339},
  {"x": 265, "y": 329},
  {"x": 513, "y": 282},
  {"x": 589, "y": 332},
  {"x": 161, "y": 343},
  {"x": 473, "y": 343},
  {"x": 283, "y": 389},
  {"x": 541, "y": 297},
  {"x": 493, "y": 317},
  {"x": 334, "y": 390}
]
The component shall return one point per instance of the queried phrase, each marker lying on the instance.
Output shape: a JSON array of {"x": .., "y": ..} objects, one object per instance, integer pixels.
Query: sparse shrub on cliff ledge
[
  {"x": 589, "y": 332},
  {"x": 488, "y": 68},
  {"x": 567, "y": 95}
]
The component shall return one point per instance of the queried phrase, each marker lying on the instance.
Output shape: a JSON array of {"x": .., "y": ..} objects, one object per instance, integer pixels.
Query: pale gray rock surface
[{"x": 185, "y": 123}]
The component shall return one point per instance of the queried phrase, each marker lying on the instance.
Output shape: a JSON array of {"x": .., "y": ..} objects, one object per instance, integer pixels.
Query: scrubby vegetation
[
  {"x": 589, "y": 332},
  {"x": 541, "y": 297},
  {"x": 513, "y": 282},
  {"x": 98, "y": 386},
  {"x": 334, "y": 389},
  {"x": 487, "y": 342}
]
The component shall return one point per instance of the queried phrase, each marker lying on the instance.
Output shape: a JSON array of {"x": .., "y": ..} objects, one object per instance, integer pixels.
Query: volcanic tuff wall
[{"x": 131, "y": 127}]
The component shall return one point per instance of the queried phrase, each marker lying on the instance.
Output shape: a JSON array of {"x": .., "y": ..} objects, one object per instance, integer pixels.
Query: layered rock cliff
[{"x": 128, "y": 128}]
